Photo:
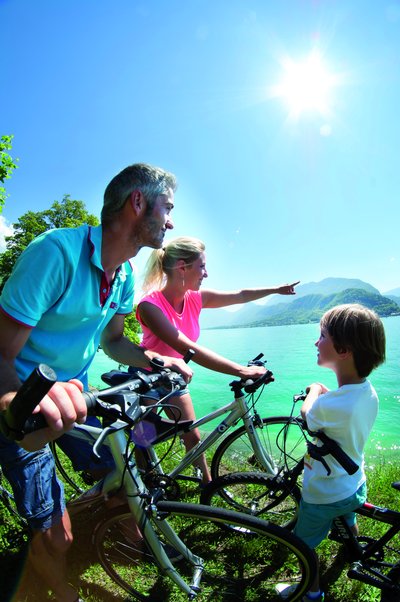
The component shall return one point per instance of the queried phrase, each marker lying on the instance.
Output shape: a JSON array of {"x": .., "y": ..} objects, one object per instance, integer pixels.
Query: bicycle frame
[
  {"x": 139, "y": 505},
  {"x": 236, "y": 410}
]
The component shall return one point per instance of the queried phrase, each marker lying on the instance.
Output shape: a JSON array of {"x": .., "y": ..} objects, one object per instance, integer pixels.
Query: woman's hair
[
  {"x": 358, "y": 329},
  {"x": 151, "y": 181},
  {"x": 162, "y": 261}
]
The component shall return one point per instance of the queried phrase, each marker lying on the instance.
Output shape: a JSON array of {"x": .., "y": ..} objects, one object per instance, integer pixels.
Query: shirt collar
[{"x": 95, "y": 236}]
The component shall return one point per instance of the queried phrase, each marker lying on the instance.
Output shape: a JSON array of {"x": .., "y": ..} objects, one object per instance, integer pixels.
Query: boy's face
[{"x": 327, "y": 354}]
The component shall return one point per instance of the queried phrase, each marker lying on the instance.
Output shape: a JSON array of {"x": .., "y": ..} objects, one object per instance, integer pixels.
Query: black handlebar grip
[
  {"x": 90, "y": 398},
  {"x": 38, "y": 421},
  {"x": 188, "y": 355},
  {"x": 29, "y": 395}
]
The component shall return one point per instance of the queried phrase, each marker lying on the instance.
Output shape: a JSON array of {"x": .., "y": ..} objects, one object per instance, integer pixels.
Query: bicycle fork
[{"x": 165, "y": 564}]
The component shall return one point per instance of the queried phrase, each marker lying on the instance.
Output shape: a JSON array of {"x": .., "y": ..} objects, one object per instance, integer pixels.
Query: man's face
[{"x": 158, "y": 221}]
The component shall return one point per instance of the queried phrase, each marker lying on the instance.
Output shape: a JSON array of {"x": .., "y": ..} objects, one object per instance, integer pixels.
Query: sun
[{"x": 305, "y": 85}]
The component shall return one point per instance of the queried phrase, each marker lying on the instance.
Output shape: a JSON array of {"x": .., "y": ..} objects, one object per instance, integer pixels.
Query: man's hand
[{"x": 62, "y": 407}]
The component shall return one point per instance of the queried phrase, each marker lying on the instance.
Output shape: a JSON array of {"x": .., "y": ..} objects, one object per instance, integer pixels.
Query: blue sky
[{"x": 278, "y": 190}]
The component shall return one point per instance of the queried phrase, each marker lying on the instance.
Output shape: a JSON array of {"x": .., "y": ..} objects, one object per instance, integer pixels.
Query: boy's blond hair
[{"x": 358, "y": 329}]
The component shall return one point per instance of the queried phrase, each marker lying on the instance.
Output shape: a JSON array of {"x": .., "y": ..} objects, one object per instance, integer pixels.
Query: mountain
[
  {"x": 309, "y": 303},
  {"x": 394, "y": 295},
  {"x": 394, "y": 292}
]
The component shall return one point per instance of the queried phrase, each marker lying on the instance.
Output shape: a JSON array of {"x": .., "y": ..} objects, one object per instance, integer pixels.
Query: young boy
[{"x": 352, "y": 344}]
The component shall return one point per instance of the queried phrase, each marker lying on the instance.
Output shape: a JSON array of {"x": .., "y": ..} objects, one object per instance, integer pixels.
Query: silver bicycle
[{"x": 182, "y": 550}]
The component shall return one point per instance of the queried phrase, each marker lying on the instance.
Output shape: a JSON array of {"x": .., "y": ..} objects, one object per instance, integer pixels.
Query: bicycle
[
  {"x": 250, "y": 446},
  {"x": 374, "y": 560},
  {"x": 252, "y": 557}
]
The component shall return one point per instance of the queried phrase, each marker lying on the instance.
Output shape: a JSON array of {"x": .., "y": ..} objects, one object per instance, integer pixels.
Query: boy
[{"x": 352, "y": 344}]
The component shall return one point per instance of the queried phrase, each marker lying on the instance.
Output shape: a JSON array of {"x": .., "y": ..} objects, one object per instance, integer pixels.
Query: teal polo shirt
[{"x": 59, "y": 289}]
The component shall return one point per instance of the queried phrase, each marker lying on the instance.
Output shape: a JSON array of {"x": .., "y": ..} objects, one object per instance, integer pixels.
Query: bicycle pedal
[{"x": 359, "y": 573}]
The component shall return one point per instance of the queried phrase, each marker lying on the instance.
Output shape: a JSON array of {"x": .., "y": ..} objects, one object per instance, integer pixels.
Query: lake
[{"x": 291, "y": 356}]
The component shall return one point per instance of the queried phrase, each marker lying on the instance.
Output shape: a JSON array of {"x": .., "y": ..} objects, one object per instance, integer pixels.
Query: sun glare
[{"x": 305, "y": 86}]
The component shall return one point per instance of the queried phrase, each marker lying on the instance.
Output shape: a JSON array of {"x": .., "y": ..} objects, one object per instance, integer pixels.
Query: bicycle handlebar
[
  {"x": 120, "y": 401},
  {"x": 329, "y": 446}
]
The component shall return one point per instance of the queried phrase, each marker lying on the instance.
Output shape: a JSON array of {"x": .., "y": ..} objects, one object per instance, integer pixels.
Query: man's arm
[{"x": 61, "y": 407}]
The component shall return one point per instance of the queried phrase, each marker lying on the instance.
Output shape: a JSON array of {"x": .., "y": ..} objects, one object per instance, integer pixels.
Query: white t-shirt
[{"x": 347, "y": 416}]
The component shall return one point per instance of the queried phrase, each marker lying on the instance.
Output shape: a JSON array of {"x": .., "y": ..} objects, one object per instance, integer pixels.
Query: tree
[
  {"x": 67, "y": 213},
  {"x": 7, "y": 166},
  {"x": 132, "y": 328}
]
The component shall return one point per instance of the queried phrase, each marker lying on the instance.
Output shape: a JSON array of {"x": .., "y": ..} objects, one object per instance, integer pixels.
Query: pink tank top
[{"x": 186, "y": 322}]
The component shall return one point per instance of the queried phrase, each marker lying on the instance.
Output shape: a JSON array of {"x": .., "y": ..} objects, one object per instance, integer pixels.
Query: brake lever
[{"x": 112, "y": 428}]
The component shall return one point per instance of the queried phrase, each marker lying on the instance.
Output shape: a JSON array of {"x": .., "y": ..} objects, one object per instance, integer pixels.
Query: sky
[{"x": 279, "y": 118}]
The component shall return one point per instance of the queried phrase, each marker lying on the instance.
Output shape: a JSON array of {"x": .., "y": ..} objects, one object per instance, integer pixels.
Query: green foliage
[
  {"x": 132, "y": 328},
  {"x": 65, "y": 214},
  {"x": 7, "y": 166},
  {"x": 88, "y": 575}
]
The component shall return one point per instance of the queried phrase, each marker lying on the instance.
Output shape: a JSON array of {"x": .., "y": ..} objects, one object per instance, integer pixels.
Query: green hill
[{"x": 310, "y": 308}]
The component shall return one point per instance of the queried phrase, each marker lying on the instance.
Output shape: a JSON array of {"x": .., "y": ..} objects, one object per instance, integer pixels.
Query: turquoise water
[{"x": 291, "y": 356}]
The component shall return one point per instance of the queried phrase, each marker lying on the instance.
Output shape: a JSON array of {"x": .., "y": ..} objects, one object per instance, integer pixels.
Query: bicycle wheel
[
  {"x": 7, "y": 497},
  {"x": 280, "y": 436},
  {"x": 244, "y": 564},
  {"x": 392, "y": 596},
  {"x": 14, "y": 528},
  {"x": 75, "y": 482},
  {"x": 254, "y": 493}
]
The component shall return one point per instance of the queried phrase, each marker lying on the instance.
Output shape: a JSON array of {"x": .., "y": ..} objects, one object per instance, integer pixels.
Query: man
[{"x": 70, "y": 290}]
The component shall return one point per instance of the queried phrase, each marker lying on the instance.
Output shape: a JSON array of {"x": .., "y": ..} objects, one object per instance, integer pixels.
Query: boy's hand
[
  {"x": 313, "y": 392},
  {"x": 317, "y": 387}
]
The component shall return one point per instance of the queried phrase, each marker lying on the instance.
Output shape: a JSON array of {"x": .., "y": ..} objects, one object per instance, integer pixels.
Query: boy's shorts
[
  {"x": 38, "y": 493},
  {"x": 315, "y": 520}
]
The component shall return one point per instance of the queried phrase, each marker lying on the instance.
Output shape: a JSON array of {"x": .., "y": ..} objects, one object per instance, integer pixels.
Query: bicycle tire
[
  {"x": 14, "y": 528},
  {"x": 392, "y": 596},
  {"x": 238, "y": 566},
  {"x": 236, "y": 453},
  {"x": 7, "y": 496},
  {"x": 256, "y": 494},
  {"x": 74, "y": 480}
]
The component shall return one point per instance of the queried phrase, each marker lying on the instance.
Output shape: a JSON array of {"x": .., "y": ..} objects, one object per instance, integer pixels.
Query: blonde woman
[{"x": 169, "y": 316}]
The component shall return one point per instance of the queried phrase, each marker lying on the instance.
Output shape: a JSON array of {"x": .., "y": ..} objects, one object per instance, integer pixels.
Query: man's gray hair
[{"x": 151, "y": 181}]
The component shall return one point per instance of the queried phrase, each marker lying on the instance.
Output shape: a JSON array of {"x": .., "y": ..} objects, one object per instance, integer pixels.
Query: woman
[{"x": 169, "y": 316}]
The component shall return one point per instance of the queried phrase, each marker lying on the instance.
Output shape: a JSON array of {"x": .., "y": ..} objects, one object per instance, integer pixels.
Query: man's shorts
[
  {"x": 315, "y": 520},
  {"x": 38, "y": 493}
]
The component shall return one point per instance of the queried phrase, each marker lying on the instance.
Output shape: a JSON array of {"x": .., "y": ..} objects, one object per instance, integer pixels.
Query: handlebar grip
[
  {"x": 188, "y": 355},
  {"x": 29, "y": 395},
  {"x": 334, "y": 449},
  {"x": 35, "y": 422}
]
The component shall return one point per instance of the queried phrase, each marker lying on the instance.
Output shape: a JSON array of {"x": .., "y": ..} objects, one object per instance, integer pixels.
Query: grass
[{"x": 95, "y": 586}]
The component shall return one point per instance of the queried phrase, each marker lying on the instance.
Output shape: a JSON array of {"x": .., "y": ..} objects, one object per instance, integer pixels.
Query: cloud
[{"x": 5, "y": 230}]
